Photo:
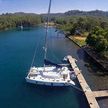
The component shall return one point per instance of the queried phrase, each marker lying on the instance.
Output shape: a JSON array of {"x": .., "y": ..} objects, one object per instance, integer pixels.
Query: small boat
[
  {"x": 65, "y": 58},
  {"x": 21, "y": 27},
  {"x": 51, "y": 74}
]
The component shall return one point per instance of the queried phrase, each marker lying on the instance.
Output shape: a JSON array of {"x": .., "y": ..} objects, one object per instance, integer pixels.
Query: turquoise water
[{"x": 16, "y": 53}]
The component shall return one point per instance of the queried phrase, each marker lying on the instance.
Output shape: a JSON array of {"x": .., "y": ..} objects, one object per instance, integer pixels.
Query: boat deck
[
  {"x": 90, "y": 95},
  {"x": 51, "y": 75}
]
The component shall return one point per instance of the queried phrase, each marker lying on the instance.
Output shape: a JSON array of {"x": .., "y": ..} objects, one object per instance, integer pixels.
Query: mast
[{"x": 48, "y": 15}]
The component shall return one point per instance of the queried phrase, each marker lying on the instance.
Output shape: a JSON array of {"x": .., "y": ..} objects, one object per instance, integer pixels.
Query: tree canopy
[
  {"x": 8, "y": 21},
  {"x": 98, "y": 39}
]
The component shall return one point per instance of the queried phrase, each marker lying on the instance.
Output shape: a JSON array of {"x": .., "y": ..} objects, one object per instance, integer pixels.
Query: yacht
[{"x": 51, "y": 74}]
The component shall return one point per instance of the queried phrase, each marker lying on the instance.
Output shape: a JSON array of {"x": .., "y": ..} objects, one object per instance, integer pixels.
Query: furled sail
[{"x": 47, "y": 62}]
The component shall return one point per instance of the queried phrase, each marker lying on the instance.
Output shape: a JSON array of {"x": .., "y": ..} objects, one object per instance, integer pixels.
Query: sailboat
[{"x": 49, "y": 75}]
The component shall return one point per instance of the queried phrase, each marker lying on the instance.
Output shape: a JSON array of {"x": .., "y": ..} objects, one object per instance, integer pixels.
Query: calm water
[{"x": 16, "y": 53}]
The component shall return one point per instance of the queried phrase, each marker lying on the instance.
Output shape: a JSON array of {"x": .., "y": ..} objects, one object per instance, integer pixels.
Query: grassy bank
[{"x": 80, "y": 40}]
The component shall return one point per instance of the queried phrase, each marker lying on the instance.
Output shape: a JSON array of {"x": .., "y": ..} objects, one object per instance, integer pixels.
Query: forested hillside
[
  {"x": 92, "y": 29},
  {"x": 87, "y": 13},
  {"x": 97, "y": 13},
  {"x": 8, "y": 20}
]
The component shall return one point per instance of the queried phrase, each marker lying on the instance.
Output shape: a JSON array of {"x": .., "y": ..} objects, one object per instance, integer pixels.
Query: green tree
[
  {"x": 91, "y": 39},
  {"x": 101, "y": 45}
]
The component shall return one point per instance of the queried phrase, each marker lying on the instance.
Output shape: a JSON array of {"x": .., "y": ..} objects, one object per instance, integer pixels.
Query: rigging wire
[
  {"x": 48, "y": 15},
  {"x": 34, "y": 55},
  {"x": 36, "y": 49}
]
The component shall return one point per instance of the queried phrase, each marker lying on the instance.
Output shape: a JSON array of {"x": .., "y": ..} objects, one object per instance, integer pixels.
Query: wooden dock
[
  {"x": 90, "y": 95},
  {"x": 101, "y": 94}
]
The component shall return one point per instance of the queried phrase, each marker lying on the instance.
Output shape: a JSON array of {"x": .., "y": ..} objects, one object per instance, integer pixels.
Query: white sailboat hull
[
  {"x": 51, "y": 77},
  {"x": 48, "y": 83}
]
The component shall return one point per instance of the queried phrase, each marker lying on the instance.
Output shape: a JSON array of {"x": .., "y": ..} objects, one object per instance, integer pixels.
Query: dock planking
[
  {"x": 101, "y": 94},
  {"x": 90, "y": 95}
]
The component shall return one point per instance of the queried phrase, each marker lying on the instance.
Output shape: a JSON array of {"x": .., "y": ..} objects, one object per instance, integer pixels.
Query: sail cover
[{"x": 47, "y": 62}]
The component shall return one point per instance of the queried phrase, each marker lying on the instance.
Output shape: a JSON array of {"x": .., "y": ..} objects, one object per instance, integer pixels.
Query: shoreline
[
  {"x": 102, "y": 64},
  {"x": 101, "y": 101}
]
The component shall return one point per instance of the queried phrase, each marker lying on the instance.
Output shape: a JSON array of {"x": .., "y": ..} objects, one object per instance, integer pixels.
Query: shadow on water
[
  {"x": 81, "y": 54},
  {"x": 90, "y": 63},
  {"x": 94, "y": 75}
]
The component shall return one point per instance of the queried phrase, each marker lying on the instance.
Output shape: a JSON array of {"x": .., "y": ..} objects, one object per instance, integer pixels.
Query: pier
[
  {"x": 101, "y": 94},
  {"x": 90, "y": 95}
]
